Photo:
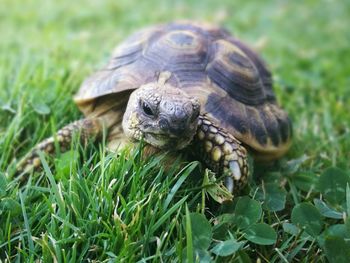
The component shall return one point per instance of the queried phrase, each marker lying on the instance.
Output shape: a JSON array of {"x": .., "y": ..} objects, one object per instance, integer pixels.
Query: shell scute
[
  {"x": 233, "y": 71},
  {"x": 230, "y": 80}
]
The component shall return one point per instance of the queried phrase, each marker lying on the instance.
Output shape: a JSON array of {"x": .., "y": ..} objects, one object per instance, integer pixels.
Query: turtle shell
[{"x": 230, "y": 80}]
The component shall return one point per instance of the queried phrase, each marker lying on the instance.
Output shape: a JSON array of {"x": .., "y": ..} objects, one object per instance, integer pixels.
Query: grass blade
[
  {"x": 58, "y": 196},
  {"x": 162, "y": 219},
  {"x": 186, "y": 171},
  {"x": 189, "y": 240},
  {"x": 26, "y": 224}
]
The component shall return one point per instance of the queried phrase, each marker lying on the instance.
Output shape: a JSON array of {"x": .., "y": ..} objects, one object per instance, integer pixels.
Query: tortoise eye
[{"x": 147, "y": 109}]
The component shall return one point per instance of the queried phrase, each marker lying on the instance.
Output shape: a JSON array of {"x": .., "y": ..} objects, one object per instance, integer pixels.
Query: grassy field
[{"x": 88, "y": 205}]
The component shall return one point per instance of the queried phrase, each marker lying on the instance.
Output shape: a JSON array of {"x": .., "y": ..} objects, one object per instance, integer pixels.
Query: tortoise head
[{"x": 163, "y": 115}]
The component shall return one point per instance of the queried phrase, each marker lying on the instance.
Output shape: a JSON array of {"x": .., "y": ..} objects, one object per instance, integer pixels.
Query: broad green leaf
[
  {"x": 41, "y": 108},
  {"x": 202, "y": 256},
  {"x": 327, "y": 211},
  {"x": 332, "y": 185},
  {"x": 294, "y": 230},
  {"x": 242, "y": 257},
  {"x": 306, "y": 181},
  {"x": 269, "y": 176},
  {"x": 201, "y": 231},
  {"x": 337, "y": 250},
  {"x": 272, "y": 196},
  {"x": 347, "y": 224},
  {"x": 291, "y": 229},
  {"x": 308, "y": 217},
  {"x": 293, "y": 165},
  {"x": 261, "y": 234},
  {"x": 338, "y": 230},
  {"x": 222, "y": 229},
  {"x": 227, "y": 247},
  {"x": 7, "y": 107},
  {"x": 247, "y": 212}
]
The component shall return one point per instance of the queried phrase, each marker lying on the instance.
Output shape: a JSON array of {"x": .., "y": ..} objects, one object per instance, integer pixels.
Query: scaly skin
[
  {"x": 218, "y": 149},
  {"x": 222, "y": 153},
  {"x": 87, "y": 128},
  {"x": 184, "y": 126}
]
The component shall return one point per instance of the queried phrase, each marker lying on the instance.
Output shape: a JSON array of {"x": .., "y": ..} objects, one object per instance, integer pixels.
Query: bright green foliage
[
  {"x": 261, "y": 234},
  {"x": 326, "y": 211},
  {"x": 273, "y": 197},
  {"x": 227, "y": 247},
  {"x": 337, "y": 250},
  {"x": 92, "y": 205},
  {"x": 333, "y": 184},
  {"x": 308, "y": 217},
  {"x": 201, "y": 231},
  {"x": 247, "y": 212}
]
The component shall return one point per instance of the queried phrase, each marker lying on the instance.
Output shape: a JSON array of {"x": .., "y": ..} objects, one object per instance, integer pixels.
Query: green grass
[{"x": 90, "y": 205}]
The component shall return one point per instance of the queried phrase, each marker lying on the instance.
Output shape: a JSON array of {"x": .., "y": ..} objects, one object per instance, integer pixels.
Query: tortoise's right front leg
[
  {"x": 222, "y": 153},
  {"x": 86, "y": 128}
]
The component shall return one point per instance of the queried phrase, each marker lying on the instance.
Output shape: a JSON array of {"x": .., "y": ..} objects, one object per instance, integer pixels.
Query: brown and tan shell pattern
[{"x": 230, "y": 80}]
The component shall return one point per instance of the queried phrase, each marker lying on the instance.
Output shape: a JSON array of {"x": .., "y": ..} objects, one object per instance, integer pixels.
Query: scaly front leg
[
  {"x": 222, "y": 153},
  {"x": 87, "y": 128}
]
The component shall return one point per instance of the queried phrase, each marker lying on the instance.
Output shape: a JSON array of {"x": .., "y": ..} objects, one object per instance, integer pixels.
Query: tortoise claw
[
  {"x": 235, "y": 170},
  {"x": 229, "y": 183},
  {"x": 234, "y": 175}
]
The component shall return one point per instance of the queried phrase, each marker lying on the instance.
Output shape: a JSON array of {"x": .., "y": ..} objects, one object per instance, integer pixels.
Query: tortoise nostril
[
  {"x": 163, "y": 124},
  {"x": 180, "y": 113}
]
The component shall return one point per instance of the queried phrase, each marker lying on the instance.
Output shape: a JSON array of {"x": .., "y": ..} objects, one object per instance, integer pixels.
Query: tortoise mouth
[
  {"x": 167, "y": 141},
  {"x": 163, "y": 135}
]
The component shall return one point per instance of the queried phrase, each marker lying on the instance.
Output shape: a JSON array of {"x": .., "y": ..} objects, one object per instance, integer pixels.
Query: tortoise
[{"x": 178, "y": 86}]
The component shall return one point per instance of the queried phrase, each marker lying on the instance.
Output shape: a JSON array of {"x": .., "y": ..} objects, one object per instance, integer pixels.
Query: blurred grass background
[{"x": 47, "y": 48}]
